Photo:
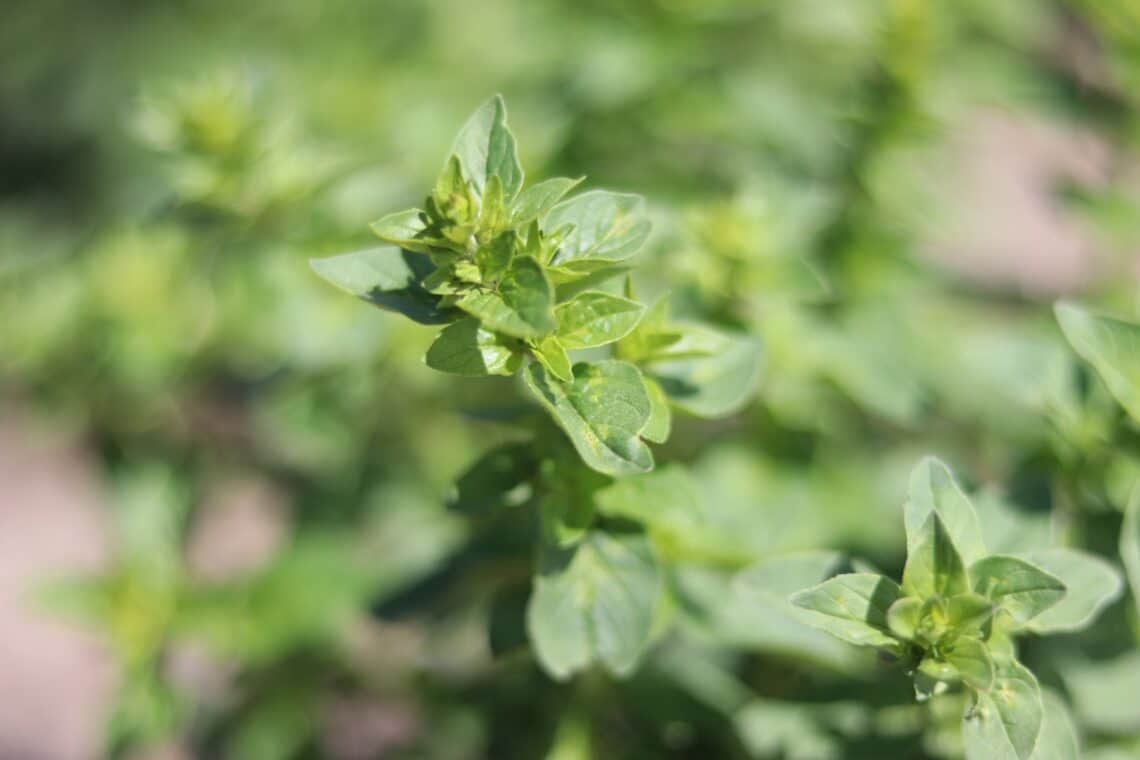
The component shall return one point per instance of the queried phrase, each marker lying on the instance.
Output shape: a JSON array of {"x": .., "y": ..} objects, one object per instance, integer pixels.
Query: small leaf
[
  {"x": 972, "y": 660},
  {"x": 706, "y": 372},
  {"x": 903, "y": 617},
  {"x": 933, "y": 489},
  {"x": 660, "y": 416},
  {"x": 1021, "y": 588},
  {"x": 538, "y": 199},
  {"x": 467, "y": 348},
  {"x": 852, "y": 607},
  {"x": 606, "y": 228},
  {"x": 1130, "y": 544},
  {"x": 521, "y": 305},
  {"x": 933, "y": 565},
  {"x": 406, "y": 229},
  {"x": 602, "y": 410},
  {"x": 968, "y": 613},
  {"x": 1111, "y": 346},
  {"x": 486, "y": 148},
  {"x": 1006, "y": 721},
  {"x": 552, "y": 355},
  {"x": 1091, "y": 585},
  {"x": 494, "y": 212},
  {"x": 389, "y": 278},
  {"x": 594, "y": 603},
  {"x": 594, "y": 319}
]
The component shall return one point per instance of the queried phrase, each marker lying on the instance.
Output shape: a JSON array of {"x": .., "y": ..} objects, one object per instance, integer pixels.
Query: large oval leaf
[
  {"x": 603, "y": 410},
  {"x": 595, "y": 602}
]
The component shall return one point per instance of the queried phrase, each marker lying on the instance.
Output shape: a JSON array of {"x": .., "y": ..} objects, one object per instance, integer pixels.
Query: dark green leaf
[
  {"x": 467, "y": 348},
  {"x": 522, "y": 304},
  {"x": 389, "y": 278}
]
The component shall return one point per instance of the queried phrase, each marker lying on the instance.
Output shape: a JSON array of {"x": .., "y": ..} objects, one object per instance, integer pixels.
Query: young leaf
[
  {"x": 1130, "y": 545},
  {"x": 522, "y": 304},
  {"x": 386, "y": 277},
  {"x": 852, "y": 607},
  {"x": 1091, "y": 585},
  {"x": 594, "y": 318},
  {"x": 933, "y": 490},
  {"x": 903, "y": 617},
  {"x": 486, "y": 148},
  {"x": 1111, "y": 346},
  {"x": 706, "y": 372},
  {"x": 606, "y": 228},
  {"x": 594, "y": 603},
  {"x": 972, "y": 660},
  {"x": 536, "y": 200},
  {"x": 552, "y": 355},
  {"x": 1006, "y": 721},
  {"x": 660, "y": 415},
  {"x": 406, "y": 230},
  {"x": 602, "y": 410},
  {"x": 1021, "y": 588},
  {"x": 933, "y": 565},
  {"x": 968, "y": 613},
  {"x": 467, "y": 348}
]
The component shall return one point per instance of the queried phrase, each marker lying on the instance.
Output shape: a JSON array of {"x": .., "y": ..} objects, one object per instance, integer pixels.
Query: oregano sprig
[
  {"x": 516, "y": 275},
  {"x": 954, "y": 618},
  {"x": 519, "y": 278}
]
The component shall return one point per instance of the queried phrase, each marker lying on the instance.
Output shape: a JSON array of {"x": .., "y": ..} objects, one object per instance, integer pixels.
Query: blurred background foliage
[{"x": 891, "y": 193}]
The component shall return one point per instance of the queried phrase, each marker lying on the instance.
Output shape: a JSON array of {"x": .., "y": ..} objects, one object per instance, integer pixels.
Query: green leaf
[
  {"x": 389, "y": 278},
  {"x": 903, "y": 616},
  {"x": 1111, "y": 346},
  {"x": 497, "y": 479},
  {"x": 595, "y": 602},
  {"x": 1058, "y": 740},
  {"x": 467, "y": 348},
  {"x": 933, "y": 490},
  {"x": 406, "y": 229},
  {"x": 603, "y": 410},
  {"x": 706, "y": 372},
  {"x": 607, "y": 227},
  {"x": 968, "y": 613},
  {"x": 933, "y": 565},
  {"x": 1021, "y": 588},
  {"x": 1006, "y": 721},
  {"x": 1091, "y": 585},
  {"x": 538, "y": 199},
  {"x": 972, "y": 660},
  {"x": 852, "y": 607},
  {"x": 660, "y": 416},
  {"x": 1130, "y": 545},
  {"x": 594, "y": 319},
  {"x": 552, "y": 356},
  {"x": 521, "y": 305},
  {"x": 486, "y": 148}
]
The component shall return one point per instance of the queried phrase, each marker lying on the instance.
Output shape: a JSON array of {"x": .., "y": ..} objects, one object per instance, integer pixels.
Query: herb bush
[{"x": 739, "y": 469}]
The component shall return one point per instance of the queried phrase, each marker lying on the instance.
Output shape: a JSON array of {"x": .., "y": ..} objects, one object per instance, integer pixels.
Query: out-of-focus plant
[{"x": 954, "y": 617}]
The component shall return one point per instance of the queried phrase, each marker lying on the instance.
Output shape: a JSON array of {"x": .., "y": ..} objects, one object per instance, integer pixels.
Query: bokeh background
[{"x": 224, "y": 528}]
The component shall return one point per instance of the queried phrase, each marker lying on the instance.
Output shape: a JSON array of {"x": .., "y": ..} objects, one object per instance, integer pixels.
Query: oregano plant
[
  {"x": 534, "y": 281},
  {"x": 953, "y": 621}
]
